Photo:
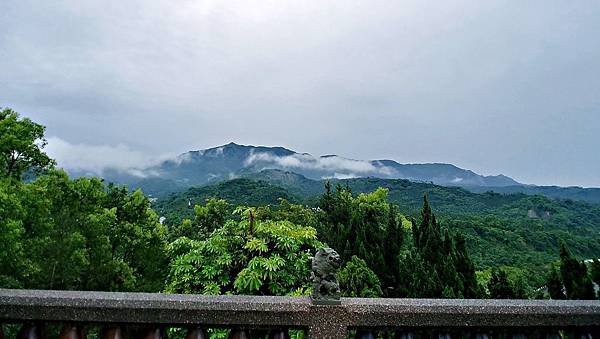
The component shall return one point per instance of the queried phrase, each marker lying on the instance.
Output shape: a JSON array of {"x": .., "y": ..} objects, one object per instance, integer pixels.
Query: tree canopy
[
  {"x": 249, "y": 256},
  {"x": 21, "y": 146}
]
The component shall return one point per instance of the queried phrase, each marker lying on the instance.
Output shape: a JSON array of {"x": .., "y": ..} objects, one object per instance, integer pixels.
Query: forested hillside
[{"x": 516, "y": 230}]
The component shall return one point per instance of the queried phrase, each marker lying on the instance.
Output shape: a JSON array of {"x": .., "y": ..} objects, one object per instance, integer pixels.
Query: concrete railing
[{"x": 365, "y": 318}]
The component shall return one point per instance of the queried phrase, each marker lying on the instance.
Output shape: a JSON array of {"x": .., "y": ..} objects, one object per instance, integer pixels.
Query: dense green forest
[
  {"x": 254, "y": 236},
  {"x": 516, "y": 231}
]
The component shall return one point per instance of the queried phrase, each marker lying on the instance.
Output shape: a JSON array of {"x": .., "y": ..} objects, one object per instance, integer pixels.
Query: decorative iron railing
[{"x": 70, "y": 314}]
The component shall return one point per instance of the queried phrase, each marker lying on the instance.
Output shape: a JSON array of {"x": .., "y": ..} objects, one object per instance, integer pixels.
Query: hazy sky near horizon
[{"x": 509, "y": 87}]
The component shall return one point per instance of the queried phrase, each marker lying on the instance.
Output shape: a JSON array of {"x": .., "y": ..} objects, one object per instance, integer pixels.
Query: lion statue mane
[{"x": 325, "y": 264}]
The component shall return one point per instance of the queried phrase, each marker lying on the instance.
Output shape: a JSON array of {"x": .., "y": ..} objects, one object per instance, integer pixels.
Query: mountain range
[{"x": 218, "y": 164}]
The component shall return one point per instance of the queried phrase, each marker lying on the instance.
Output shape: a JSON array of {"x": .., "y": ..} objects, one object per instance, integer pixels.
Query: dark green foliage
[
  {"x": 595, "y": 271},
  {"x": 555, "y": 285},
  {"x": 441, "y": 262},
  {"x": 295, "y": 183},
  {"x": 286, "y": 211},
  {"x": 500, "y": 287},
  {"x": 466, "y": 269},
  {"x": 370, "y": 228},
  {"x": 14, "y": 264},
  {"x": 575, "y": 277},
  {"x": 573, "y": 280},
  {"x": 21, "y": 144},
  {"x": 357, "y": 280},
  {"x": 366, "y": 226},
  {"x": 497, "y": 228},
  {"x": 419, "y": 280},
  {"x": 81, "y": 234}
]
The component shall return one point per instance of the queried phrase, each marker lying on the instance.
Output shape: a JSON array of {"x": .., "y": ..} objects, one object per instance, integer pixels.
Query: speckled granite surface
[{"x": 322, "y": 321}]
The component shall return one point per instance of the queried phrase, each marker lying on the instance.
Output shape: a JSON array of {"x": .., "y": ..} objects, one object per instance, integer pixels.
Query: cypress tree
[
  {"x": 392, "y": 243},
  {"x": 449, "y": 271},
  {"x": 575, "y": 277},
  {"x": 326, "y": 201},
  {"x": 416, "y": 232},
  {"x": 466, "y": 269},
  {"x": 555, "y": 285},
  {"x": 425, "y": 222},
  {"x": 569, "y": 268}
]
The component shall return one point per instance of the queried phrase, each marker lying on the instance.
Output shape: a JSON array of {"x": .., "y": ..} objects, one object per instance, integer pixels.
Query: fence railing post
[{"x": 328, "y": 322}]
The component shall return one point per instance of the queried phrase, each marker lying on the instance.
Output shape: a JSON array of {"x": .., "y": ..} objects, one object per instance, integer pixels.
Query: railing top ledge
[
  {"x": 486, "y": 305},
  {"x": 149, "y": 300},
  {"x": 19, "y": 305}
]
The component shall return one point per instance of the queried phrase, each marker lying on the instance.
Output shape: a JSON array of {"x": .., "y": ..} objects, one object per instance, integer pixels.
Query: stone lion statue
[{"x": 324, "y": 268}]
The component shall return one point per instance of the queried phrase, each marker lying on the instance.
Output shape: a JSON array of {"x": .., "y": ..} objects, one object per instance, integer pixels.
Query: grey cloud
[
  {"x": 494, "y": 86},
  {"x": 347, "y": 168},
  {"x": 96, "y": 159}
]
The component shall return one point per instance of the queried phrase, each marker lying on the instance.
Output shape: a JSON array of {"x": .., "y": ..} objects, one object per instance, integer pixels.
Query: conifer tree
[
  {"x": 424, "y": 224},
  {"x": 595, "y": 271},
  {"x": 446, "y": 268},
  {"x": 393, "y": 240},
  {"x": 326, "y": 201},
  {"x": 366, "y": 226},
  {"x": 575, "y": 277},
  {"x": 466, "y": 269},
  {"x": 555, "y": 285}
]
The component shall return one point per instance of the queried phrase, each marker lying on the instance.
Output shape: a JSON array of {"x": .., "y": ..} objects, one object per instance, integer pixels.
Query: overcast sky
[{"x": 508, "y": 87}]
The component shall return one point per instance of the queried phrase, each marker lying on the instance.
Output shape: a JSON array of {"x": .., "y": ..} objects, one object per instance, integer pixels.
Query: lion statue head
[{"x": 325, "y": 262}]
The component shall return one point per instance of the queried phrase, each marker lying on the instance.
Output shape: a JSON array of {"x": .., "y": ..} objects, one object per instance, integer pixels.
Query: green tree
[
  {"x": 575, "y": 277},
  {"x": 15, "y": 267},
  {"x": 555, "y": 285},
  {"x": 500, "y": 287},
  {"x": 137, "y": 238},
  {"x": 79, "y": 234},
  {"x": 211, "y": 216},
  {"x": 208, "y": 218},
  {"x": 357, "y": 280},
  {"x": 466, "y": 270},
  {"x": 420, "y": 280},
  {"x": 366, "y": 226},
  {"x": 286, "y": 211},
  {"x": 249, "y": 256},
  {"x": 442, "y": 262},
  {"x": 21, "y": 144}
]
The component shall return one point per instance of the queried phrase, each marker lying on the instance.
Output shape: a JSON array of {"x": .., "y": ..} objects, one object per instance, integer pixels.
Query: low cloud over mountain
[
  {"x": 331, "y": 165},
  {"x": 98, "y": 159},
  {"x": 123, "y": 165}
]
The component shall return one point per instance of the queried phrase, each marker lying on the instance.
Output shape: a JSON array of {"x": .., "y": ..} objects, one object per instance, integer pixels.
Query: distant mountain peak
[
  {"x": 232, "y": 160},
  {"x": 225, "y": 161}
]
